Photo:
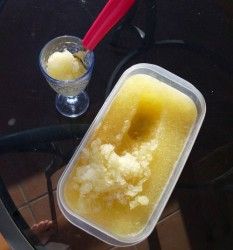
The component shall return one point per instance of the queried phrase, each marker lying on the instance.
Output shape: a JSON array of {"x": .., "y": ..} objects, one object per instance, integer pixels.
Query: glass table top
[{"x": 191, "y": 39}]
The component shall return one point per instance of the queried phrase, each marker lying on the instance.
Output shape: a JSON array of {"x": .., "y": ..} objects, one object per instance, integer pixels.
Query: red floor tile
[
  {"x": 171, "y": 207},
  {"x": 27, "y": 215},
  {"x": 16, "y": 195},
  {"x": 172, "y": 233},
  {"x": 34, "y": 186},
  {"x": 40, "y": 209}
]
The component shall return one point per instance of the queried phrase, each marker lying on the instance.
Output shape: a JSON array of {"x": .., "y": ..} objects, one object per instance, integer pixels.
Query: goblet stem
[
  {"x": 72, "y": 99},
  {"x": 72, "y": 106}
]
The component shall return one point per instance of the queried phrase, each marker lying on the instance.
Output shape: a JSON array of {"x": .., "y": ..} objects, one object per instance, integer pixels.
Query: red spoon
[{"x": 112, "y": 12}]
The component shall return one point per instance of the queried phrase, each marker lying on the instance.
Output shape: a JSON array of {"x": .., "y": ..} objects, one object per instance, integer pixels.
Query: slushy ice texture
[
  {"x": 126, "y": 163},
  {"x": 65, "y": 66}
]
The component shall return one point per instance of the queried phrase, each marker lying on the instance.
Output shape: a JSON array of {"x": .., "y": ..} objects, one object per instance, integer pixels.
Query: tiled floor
[
  {"x": 31, "y": 198},
  {"x": 32, "y": 201},
  {"x": 181, "y": 224}
]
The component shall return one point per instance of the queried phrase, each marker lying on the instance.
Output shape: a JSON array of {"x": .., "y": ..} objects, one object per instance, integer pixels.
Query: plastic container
[{"x": 177, "y": 83}]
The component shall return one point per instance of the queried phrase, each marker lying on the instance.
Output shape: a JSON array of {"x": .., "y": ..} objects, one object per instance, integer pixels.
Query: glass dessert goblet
[{"x": 71, "y": 100}]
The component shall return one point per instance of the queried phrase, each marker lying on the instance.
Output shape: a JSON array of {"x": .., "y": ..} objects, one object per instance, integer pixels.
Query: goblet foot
[{"x": 72, "y": 106}]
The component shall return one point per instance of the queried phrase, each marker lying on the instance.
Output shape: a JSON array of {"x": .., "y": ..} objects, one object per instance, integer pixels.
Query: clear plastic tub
[{"x": 177, "y": 83}]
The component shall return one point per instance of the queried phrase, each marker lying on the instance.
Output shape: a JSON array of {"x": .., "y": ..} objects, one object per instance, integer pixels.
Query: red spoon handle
[{"x": 112, "y": 12}]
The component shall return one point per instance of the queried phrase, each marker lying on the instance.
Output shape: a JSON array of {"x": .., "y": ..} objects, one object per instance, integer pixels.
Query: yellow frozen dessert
[
  {"x": 64, "y": 66},
  {"x": 124, "y": 167}
]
